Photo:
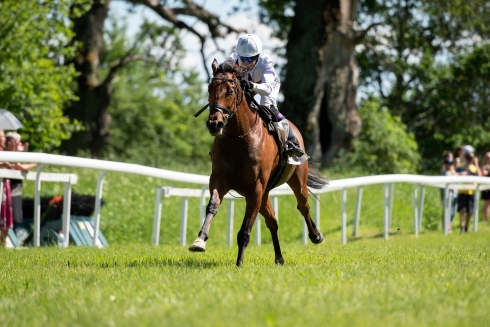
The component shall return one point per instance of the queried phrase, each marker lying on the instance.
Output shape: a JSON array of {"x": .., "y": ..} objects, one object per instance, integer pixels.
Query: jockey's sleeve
[{"x": 268, "y": 78}]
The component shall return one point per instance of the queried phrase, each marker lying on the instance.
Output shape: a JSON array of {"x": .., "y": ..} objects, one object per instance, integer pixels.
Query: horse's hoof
[
  {"x": 316, "y": 240},
  {"x": 198, "y": 246},
  {"x": 280, "y": 262}
]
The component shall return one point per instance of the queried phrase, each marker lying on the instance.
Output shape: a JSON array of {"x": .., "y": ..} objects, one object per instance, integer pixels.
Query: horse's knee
[
  {"x": 212, "y": 207},
  {"x": 272, "y": 226},
  {"x": 242, "y": 239}
]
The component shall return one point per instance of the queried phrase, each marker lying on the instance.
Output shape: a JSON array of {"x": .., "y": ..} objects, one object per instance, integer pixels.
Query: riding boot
[{"x": 292, "y": 146}]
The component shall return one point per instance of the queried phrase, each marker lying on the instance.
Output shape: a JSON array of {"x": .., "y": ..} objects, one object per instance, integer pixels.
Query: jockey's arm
[
  {"x": 268, "y": 79},
  {"x": 262, "y": 88}
]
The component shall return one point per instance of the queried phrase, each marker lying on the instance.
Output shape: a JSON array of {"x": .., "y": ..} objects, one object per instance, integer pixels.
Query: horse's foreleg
[
  {"x": 199, "y": 245},
  {"x": 243, "y": 236},
  {"x": 271, "y": 223}
]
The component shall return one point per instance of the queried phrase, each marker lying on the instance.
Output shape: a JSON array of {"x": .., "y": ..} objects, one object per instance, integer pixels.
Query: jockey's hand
[{"x": 246, "y": 85}]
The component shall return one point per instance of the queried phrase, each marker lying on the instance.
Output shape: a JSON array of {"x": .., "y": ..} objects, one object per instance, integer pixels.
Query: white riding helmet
[{"x": 248, "y": 45}]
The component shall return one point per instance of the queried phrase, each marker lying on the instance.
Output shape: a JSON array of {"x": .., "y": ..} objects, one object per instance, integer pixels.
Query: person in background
[
  {"x": 13, "y": 143},
  {"x": 446, "y": 155},
  {"x": 458, "y": 156},
  {"x": 468, "y": 166},
  {"x": 449, "y": 170},
  {"x": 6, "y": 217},
  {"x": 485, "y": 195}
]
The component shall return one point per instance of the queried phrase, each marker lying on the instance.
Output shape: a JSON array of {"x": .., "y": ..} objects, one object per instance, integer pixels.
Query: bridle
[{"x": 222, "y": 109}]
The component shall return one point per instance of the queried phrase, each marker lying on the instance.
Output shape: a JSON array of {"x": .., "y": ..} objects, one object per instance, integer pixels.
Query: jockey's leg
[{"x": 292, "y": 147}]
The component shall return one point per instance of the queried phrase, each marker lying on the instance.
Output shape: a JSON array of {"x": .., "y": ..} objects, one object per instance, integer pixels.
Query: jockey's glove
[{"x": 247, "y": 85}]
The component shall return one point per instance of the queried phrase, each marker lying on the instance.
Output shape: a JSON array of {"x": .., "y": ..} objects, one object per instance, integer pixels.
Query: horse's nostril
[{"x": 220, "y": 125}]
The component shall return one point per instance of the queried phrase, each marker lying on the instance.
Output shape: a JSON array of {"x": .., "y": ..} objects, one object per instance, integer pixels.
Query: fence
[{"x": 420, "y": 182}]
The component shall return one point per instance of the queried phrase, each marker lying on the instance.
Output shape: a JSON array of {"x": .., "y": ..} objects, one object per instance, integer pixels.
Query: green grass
[{"x": 433, "y": 280}]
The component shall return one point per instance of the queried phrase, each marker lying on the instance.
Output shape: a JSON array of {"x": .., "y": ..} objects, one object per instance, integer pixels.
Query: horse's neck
[{"x": 244, "y": 120}]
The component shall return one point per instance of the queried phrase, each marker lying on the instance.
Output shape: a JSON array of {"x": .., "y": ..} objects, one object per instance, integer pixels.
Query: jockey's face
[{"x": 248, "y": 63}]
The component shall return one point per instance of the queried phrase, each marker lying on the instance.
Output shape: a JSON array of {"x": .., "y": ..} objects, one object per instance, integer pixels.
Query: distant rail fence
[{"x": 419, "y": 181}]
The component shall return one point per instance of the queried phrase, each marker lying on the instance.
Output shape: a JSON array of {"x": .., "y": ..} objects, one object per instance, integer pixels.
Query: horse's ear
[{"x": 214, "y": 66}]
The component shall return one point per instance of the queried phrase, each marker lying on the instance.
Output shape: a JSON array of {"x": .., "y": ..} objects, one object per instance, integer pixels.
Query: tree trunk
[
  {"x": 94, "y": 98},
  {"x": 322, "y": 78}
]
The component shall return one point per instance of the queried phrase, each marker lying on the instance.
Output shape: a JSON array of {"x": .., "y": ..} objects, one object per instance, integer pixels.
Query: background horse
[{"x": 244, "y": 157}]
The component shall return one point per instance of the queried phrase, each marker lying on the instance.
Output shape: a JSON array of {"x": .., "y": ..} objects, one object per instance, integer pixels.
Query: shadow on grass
[{"x": 373, "y": 235}]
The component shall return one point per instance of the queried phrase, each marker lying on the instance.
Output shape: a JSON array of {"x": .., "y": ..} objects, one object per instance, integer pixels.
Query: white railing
[{"x": 420, "y": 181}]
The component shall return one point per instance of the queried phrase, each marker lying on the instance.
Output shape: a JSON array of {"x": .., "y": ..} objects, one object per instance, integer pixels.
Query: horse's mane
[{"x": 228, "y": 66}]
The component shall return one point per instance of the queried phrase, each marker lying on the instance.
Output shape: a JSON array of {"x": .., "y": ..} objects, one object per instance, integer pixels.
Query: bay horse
[{"x": 244, "y": 156}]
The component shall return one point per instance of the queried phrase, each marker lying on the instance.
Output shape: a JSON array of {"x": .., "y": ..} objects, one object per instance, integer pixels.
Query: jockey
[{"x": 262, "y": 79}]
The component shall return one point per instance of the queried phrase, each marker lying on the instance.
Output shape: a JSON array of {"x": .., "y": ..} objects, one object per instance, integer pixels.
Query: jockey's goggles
[{"x": 249, "y": 59}]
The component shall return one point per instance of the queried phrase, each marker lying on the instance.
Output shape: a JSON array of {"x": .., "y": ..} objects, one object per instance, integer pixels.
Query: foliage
[
  {"x": 277, "y": 15},
  {"x": 457, "y": 110},
  {"x": 428, "y": 63},
  {"x": 162, "y": 127},
  {"x": 152, "y": 109},
  {"x": 384, "y": 145},
  {"x": 34, "y": 83}
]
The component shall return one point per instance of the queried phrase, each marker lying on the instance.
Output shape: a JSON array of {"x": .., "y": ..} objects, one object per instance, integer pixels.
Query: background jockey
[{"x": 262, "y": 79}]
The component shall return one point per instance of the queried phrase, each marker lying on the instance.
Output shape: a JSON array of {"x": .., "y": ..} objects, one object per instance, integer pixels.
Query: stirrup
[{"x": 293, "y": 150}]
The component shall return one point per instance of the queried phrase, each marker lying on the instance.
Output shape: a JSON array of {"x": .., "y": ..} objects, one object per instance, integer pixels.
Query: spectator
[
  {"x": 458, "y": 156},
  {"x": 447, "y": 155},
  {"x": 485, "y": 195},
  {"x": 6, "y": 219},
  {"x": 449, "y": 170},
  {"x": 468, "y": 166},
  {"x": 13, "y": 142}
]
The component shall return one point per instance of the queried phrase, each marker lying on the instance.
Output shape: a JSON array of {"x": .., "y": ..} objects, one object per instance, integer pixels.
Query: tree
[
  {"x": 427, "y": 64},
  {"x": 94, "y": 92},
  {"x": 152, "y": 109},
  {"x": 34, "y": 83},
  {"x": 321, "y": 77}
]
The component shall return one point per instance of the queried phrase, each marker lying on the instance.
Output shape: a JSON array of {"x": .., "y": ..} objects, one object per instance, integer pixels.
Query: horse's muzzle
[{"x": 215, "y": 127}]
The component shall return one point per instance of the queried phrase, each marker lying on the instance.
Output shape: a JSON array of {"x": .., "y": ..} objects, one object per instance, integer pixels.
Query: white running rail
[{"x": 420, "y": 182}]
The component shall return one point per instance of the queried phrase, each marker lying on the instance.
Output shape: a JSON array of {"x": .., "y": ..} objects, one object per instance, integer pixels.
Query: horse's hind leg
[
  {"x": 271, "y": 222},
  {"x": 300, "y": 189},
  {"x": 199, "y": 245}
]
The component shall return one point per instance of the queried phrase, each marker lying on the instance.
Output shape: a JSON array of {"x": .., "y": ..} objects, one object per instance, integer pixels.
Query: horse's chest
[{"x": 235, "y": 158}]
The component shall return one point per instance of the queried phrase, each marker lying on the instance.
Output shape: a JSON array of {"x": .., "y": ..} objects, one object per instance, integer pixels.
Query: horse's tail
[{"x": 315, "y": 179}]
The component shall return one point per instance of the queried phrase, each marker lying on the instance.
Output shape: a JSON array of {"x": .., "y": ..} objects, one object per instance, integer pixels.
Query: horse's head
[{"x": 225, "y": 95}]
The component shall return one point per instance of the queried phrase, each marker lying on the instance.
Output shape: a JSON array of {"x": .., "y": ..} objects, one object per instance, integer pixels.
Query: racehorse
[{"x": 244, "y": 156}]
